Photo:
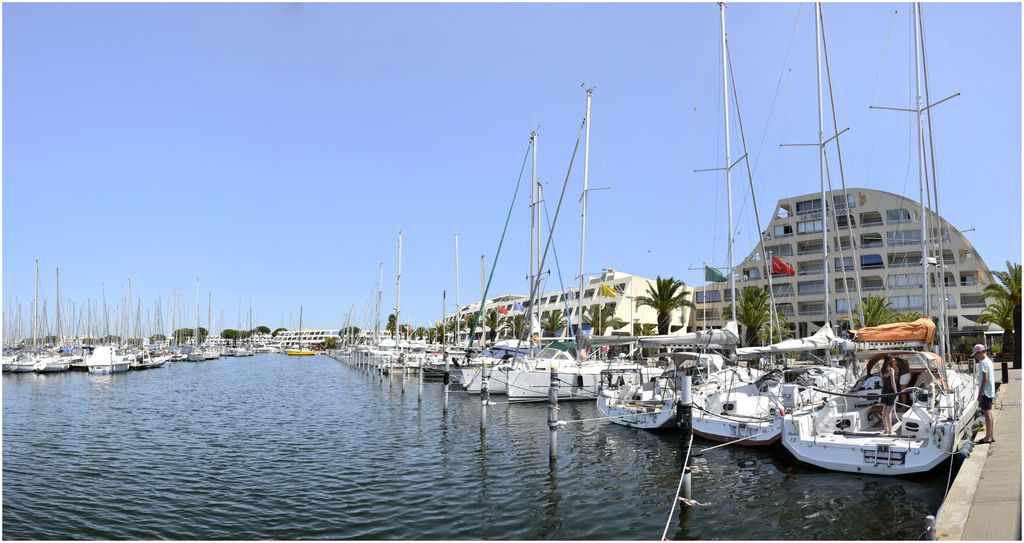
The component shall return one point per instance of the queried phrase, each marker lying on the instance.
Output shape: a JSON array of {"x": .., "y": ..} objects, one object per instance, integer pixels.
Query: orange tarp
[{"x": 922, "y": 329}]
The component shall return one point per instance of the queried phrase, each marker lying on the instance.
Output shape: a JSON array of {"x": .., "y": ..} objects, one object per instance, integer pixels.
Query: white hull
[
  {"x": 837, "y": 434},
  {"x": 107, "y": 369},
  {"x": 52, "y": 365}
]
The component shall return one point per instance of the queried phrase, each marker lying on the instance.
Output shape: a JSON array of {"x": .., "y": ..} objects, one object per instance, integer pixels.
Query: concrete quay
[{"x": 984, "y": 502}]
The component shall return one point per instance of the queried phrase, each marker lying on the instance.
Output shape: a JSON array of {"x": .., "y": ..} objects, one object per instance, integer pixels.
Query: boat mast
[
  {"x": 926, "y": 309},
  {"x": 60, "y": 329},
  {"x": 458, "y": 308},
  {"x": 821, "y": 157},
  {"x": 728, "y": 158},
  {"x": 398, "y": 293},
  {"x": 376, "y": 313},
  {"x": 35, "y": 308},
  {"x": 534, "y": 228},
  {"x": 943, "y": 324},
  {"x": 196, "y": 342},
  {"x": 583, "y": 230}
]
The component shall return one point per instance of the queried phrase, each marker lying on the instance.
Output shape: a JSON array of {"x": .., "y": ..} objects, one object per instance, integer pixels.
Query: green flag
[{"x": 713, "y": 276}]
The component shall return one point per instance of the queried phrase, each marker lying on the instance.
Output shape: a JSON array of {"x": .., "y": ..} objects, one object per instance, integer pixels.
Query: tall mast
[
  {"x": 821, "y": 157},
  {"x": 376, "y": 315},
  {"x": 35, "y": 308},
  {"x": 728, "y": 158},
  {"x": 398, "y": 293},
  {"x": 583, "y": 229},
  {"x": 458, "y": 308},
  {"x": 944, "y": 324},
  {"x": 60, "y": 329},
  {"x": 196, "y": 342},
  {"x": 926, "y": 310},
  {"x": 534, "y": 223},
  {"x": 209, "y": 314}
]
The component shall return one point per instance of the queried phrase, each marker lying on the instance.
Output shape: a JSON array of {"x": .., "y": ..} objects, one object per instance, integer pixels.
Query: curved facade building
[{"x": 874, "y": 241}]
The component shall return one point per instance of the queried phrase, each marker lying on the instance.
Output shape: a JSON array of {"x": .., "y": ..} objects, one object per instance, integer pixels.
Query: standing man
[{"x": 986, "y": 391}]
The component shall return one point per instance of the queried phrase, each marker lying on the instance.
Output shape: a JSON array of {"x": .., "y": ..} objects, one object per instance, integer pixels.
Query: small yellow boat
[{"x": 300, "y": 352}]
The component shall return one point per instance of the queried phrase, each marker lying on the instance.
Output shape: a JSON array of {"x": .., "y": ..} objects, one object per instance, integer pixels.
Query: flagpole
[{"x": 773, "y": 314}]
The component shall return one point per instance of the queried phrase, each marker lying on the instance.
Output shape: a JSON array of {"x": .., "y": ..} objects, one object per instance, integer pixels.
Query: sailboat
[
  {"x": 196, "y": 355},
  {"x": 299, "y": 349}
]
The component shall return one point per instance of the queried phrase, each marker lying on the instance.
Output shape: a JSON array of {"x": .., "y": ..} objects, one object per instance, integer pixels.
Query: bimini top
[
  {"x": 922, "y": 330},
  {"x": 822, "y": 339}
]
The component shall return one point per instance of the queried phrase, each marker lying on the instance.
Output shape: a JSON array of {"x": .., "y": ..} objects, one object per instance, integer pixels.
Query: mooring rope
[{"x": 686, "y": 461}]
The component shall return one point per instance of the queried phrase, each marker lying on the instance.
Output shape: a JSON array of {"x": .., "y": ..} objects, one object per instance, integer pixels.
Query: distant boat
[
  {"x": 53, "y": 364},
  {"x": 300, "y": 350},
  {"x": 103, "y": 361}
]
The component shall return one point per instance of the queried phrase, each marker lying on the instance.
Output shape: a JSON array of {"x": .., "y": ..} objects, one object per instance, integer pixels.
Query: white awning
[{"x": 822, "y": 339}]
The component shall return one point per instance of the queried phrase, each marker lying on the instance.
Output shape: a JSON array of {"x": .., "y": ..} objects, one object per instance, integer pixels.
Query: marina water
[{"x": 304, "y": 448}]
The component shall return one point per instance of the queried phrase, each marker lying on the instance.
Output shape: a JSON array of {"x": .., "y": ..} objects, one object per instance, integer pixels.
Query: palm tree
[
  {"x": 664, "y": 296},
  {"x": 777, "y": 333},
  {"x": 493, "y": 324},
  {"x": 753, "y": 312},
  {"x": 873, "y": 311},
  {"x": 390, "y": 328},
  {"x": 516, "y": 324},
  {"x": 552, "y": 322},
  {"x": 906, "y": 316},
  {"x": 1001, "y": 315},
  {"x": 644, "y": 329},
  {"x": 1008, "y": 289},
  {"x": 420, "y": 333},
  {"x": 601, "y": 319}
]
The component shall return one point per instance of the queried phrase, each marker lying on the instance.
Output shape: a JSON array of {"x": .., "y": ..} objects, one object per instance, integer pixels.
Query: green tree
[
  {"x": 181, "y": 335},
  {"x": 330, "y": 342},
  {"x": 906, "y": 316},
  {"x": 392, "y": 324},
  {"x": 1000, "y": 314},
  {"x": 278, "y": 331},
  {"x": 552, "y": 322},
  {"x": 420, "y": 333},
  {"x": 262, "y": 330},
  {"x": 665, "y": 296},
  {"x": 1007, "y": 288},
  {"x": 228, "y": 333},
  {"x": 516, "y": 324},
  {"x": 157, "y": 338},
  {"x": 778, "y": 333},
  {"x": 493, "y": 323},
  {"x": 644, "y": 328},
  {"x": 753, "y": 312},
  {"x": 873, "y": 311},
  {"x": 601, "y": 319}
]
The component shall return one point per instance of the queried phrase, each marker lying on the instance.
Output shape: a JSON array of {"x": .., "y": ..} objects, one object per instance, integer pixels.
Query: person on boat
[
  {"x": 903, "y": 382},
  {"x": 888, "y": 375},
  {"x": 986, "y": 390}
]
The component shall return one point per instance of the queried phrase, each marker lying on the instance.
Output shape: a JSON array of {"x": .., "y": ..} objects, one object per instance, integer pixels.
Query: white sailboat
[
  {"x": 196, "y": 354},
  {"x": 104, "y": 360}
]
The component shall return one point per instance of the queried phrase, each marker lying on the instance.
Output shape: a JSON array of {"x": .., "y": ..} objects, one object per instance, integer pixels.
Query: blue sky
[{"x": 274, "y": 151}]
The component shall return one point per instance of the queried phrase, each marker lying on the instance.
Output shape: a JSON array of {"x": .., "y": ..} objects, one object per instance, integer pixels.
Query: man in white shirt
[{"x": 986, "y": 391}]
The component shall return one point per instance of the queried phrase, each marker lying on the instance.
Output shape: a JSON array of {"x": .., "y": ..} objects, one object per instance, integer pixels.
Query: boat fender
[{"x": 579, "y": 381}]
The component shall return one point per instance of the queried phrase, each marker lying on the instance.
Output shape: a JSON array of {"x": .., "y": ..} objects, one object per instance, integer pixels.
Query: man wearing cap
[{"x": 986, "y": 390}]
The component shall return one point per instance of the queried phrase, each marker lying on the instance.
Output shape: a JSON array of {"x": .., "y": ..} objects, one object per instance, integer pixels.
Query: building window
[
  {"x": 897, "y": 216},
  {"x": 868, "y": 241},
  {"x": 808, "y": 247},
  {"x": 871, "y": 218},
  {"x": 782, "y": 290},
  {"x": 903, "y": 237},
  {"x": 808, "y": 206},
  {"x": 905, "y": 303},
  {"x": 810, "y": 287},
  {"x": 842, "y": 305},
  {"x": 846, "y": 264},
  {"x": 810, "y": 268},
  {"x": 808, "y": 227},
  {"x": 750, "y": 274},
  {"x": 868, "y": 262},
  {"x": 837, "y": 201},
  {"x": 708, "y": 296},
  {"x": 780, "y": 250},
  {"x": 841, "y": 221},
  {"x": 905, "y": 280},
  {"x": 589, "y": 293},
  {"x": 783, "y": 230}
]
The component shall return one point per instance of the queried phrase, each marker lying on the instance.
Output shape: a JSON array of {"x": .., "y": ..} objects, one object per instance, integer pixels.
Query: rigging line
[
  {"x": 551, "y": 230},
  {"x": 686, "y": 461},
  {"x": 771, "y": 110},
  {"x": 750, "y": 181},
  {"x": 842, "y": 175},
  {"x": 842, "y": 254},
  {"x": 494, "y": 265},
  {"x": 561, "y": 285}
]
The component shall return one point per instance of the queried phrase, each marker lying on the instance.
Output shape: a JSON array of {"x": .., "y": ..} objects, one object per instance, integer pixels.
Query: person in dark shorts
[{"x": 889, "y": 391}]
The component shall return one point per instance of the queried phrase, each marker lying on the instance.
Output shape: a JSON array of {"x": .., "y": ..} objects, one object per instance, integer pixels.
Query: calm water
[{"x": 309, "y": 448}]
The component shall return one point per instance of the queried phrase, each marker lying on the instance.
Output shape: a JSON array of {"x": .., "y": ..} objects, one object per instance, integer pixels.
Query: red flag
[
  {"x": 502, "y": 310},
  {"x": 781, "y": 268}
]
